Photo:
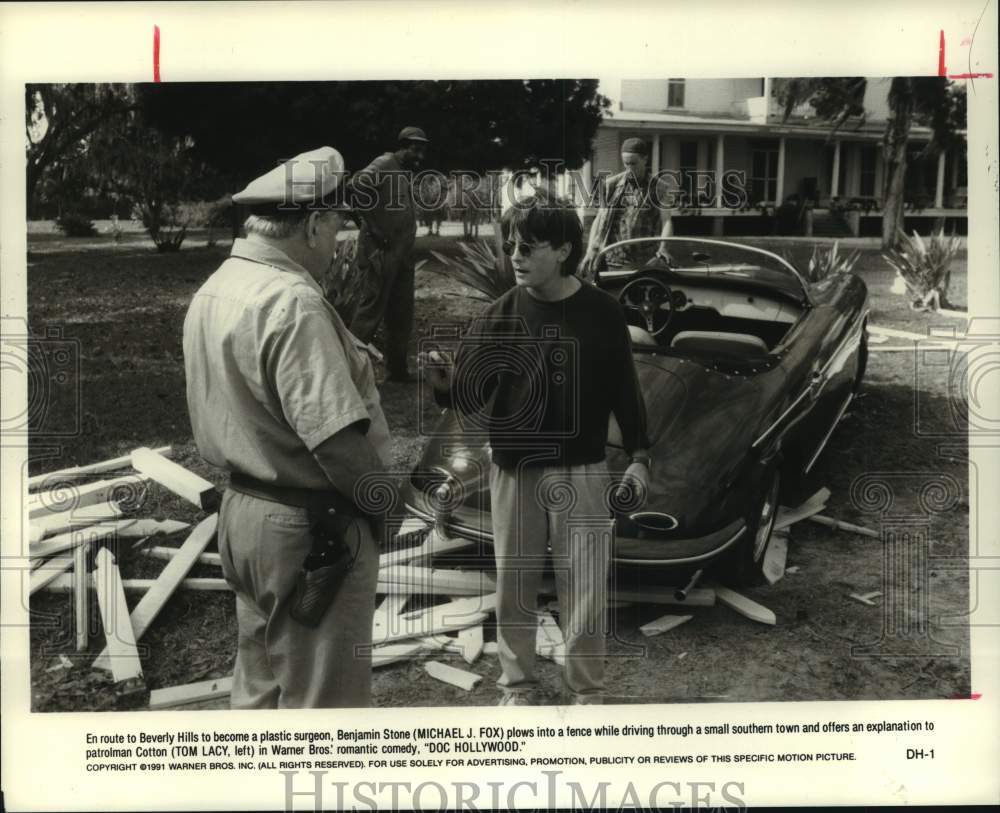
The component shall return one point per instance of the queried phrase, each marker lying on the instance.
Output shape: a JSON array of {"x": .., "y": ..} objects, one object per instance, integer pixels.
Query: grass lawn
[{"x": 122, "y": 308}]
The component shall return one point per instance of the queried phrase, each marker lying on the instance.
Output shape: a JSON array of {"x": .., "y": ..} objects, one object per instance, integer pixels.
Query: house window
[
  {"x": 688, "y": 167},
  {"x": 764, "y": 172},
  {"x": 675, "y": 93},
  {"x": 868, "y": 153}
]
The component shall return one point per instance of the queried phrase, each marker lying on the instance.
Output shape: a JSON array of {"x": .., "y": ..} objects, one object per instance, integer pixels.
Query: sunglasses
[{"x": 525, "y": 249}]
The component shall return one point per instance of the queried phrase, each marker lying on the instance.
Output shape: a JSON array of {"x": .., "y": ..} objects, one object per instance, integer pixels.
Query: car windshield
[{"x": 692, "y": 259}]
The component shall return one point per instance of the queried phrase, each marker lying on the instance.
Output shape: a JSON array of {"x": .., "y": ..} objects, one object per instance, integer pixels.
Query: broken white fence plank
[
  {"x": 449, "y": 617},
  {"x": 404, "y": 651},
  {"x": 844, "y": 526},
  {"x": 52, "y": 478},
  {"x": 65, "y": 584},
  {"x": 151, "y": 527},
  {"x": 443, "y": 582},
  {"x": 663, "y": 624},
  {"x": 388, "y": 610},
  {"x": 470, "y": 642},
  {"x": 793, "y": 569},
  {"x": 173, "y": 574},
  {"x": 81, "y": 599},
  {"x": 697, "y": 597},
  {"x": 549, "y": 642},
  {"x": 77, "y": 518},
  {"x": 159, "y": 552},
  {"x": 449, "y": 674},
  {"x": 774, "y": 559},
  {"x": 896, "y": 334},
  {"x": 789, "y": 516},
  {"x": 866, "y": 598},
  {"x": 72, "y": 497},
  {"x": 178, "y": 479},
  {"x": 48, "y": 571},
  {"x": 175, "y": 696},
  {"x": 433, "y": 545},
  {"x": 123, "y": 657},
  {"x": 76, "y": 537},
  {"x": 745, "y": 606}
]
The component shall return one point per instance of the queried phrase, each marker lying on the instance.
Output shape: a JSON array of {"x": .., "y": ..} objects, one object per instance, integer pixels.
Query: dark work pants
[{"x": 389, "y": 297}]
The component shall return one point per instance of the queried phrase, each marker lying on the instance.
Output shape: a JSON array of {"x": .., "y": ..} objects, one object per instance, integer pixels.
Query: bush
[
  {"x": 345, "y": 283},
  {"x": 825, "y": 262},
  {"x": 924, "y": 267},
  {"x": 206, "y": 214},
  {"x": 483, "y": 266},
  {"x": 75, "y": 224}
]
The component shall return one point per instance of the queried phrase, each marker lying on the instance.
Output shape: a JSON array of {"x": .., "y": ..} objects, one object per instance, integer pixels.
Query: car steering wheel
[{"x": 652, "y": 298}]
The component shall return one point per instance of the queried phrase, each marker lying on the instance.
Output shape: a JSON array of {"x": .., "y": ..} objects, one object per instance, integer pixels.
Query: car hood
[{"x": 700, "y": 423}]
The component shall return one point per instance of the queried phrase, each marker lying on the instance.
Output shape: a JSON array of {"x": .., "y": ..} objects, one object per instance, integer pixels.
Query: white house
[{"x": 710, "y": 126}]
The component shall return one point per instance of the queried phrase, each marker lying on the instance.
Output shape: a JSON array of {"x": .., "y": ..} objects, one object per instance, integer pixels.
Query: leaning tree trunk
[{"x": 894, "y": 154}]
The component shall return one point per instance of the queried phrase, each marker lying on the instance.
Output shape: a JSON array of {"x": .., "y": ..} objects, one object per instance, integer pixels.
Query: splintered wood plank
[
  {"x": 470, "y": 642},
  {"x": 76, "y": 537},
  {"x": 151, "y": 527},
  {"x": 432, "y": 546},
  {"x": 663, "y": 624},
  {"x": 866, "y": 598},
  {"x": 696, "y": 597},
  {"x": 66, "y": 520},
  {"x": 81, "y": 600},
  {"x": 392, "y": 606},
  {"x": 158, "y": 552},
  {"x": 183, "y": 483},
  {"x": 66, "y": 583},
  {"x": 52, "y": 478},
  {"x": 404, "y": 651},
  {"x": 173, "y": 574},
  {"x": 449, "y": 617},
  {"x": 745, "y": 606},
  {"x": 48, "y": 572},
  {"x": 844, "y": 526},
  {"x": 449, "y": 674},
  {"x": 789, "y": 516},
  {"x": 774, "y": 559},
  {"x": 46, "y": 503},
  {"x": 175, "y": 696},
  {"x": 430, "y": 581},
  {"x": 123, "y": 657}
]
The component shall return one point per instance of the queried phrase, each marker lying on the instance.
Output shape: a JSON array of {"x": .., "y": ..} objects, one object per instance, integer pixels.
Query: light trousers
[
  {"x": 281, "y": 663},
  {"x": 566, "y": 508}
]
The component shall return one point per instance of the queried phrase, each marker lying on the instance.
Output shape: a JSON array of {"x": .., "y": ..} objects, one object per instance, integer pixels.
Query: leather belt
[{"x": 289, "y": 495}]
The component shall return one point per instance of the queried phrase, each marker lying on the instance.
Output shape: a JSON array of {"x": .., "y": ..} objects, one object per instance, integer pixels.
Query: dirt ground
[{"x": 120, "y": 310}]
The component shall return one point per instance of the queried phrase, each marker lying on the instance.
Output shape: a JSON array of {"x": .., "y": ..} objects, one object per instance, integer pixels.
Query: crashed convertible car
[{"x": 746, "y": 369}]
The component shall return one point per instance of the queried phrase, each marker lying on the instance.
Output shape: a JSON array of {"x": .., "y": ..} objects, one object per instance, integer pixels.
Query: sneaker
[{"x": 521, "y": 698}]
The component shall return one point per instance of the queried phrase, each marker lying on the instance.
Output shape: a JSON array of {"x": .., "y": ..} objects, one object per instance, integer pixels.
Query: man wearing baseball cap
[
  {"x": 384, "y": 199},
  {"x": 283, "y": 396},
  {"x": 635, "y": 208}
]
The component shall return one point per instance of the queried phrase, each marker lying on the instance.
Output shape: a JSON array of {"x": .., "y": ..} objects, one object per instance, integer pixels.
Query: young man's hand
[{"x": 437, "y": 367}]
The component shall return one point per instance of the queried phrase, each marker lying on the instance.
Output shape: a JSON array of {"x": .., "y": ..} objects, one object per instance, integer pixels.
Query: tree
[
  {"x": 59, "y": 118},
  {"x": 244, "y": 129},
  {"x": 927, "y": 100}
]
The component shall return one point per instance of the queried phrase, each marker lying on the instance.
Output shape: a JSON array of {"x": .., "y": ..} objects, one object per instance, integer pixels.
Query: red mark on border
[
  {"x": 943, "y": 71},
  {"x": 156, "y": 52},
  {"x": 971, "y": 696}
]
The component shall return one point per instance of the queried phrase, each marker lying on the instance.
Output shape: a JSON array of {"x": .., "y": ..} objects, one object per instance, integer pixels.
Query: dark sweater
[{"x": 544, "y": 377}]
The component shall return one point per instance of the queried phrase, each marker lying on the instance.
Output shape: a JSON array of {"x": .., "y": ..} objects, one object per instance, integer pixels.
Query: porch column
[
  {"x": 939, "y": 187},
  {"x": 835, "y": 180},
  {"x": 656, "y": 154},
  {"x": 719, "y": 168},
  {"x": 780, "y": 190}
]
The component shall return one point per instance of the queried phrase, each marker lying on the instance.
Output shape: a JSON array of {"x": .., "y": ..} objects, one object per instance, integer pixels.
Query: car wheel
[{"x": 744, "y": 564}]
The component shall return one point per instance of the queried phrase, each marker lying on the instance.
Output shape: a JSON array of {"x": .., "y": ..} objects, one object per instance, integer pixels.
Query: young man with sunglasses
[{"x": 547, "y": 364}]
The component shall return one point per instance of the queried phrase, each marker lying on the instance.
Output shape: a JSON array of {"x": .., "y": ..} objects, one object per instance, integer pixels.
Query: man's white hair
[{"x": 277, "y": 228}]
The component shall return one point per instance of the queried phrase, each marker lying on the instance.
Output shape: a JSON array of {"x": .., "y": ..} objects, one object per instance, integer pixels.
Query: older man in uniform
[
  {"x": 637, "y": 206},
  {"x": 384, "y": 198},
  {"x": 283, "y": 396}
]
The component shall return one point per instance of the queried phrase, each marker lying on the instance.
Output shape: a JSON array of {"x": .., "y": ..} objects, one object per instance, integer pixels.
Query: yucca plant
[
  {"x": 825, "y": 262},
  {"x": 344, "y": 283},
  {"x": 482, "y": 266},
  {"x": 924, "y": 267}
]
